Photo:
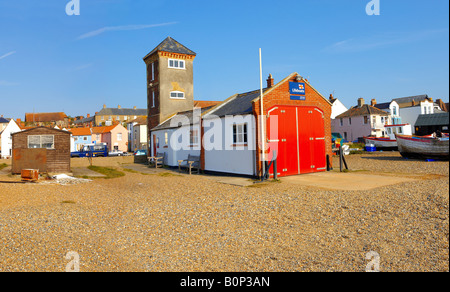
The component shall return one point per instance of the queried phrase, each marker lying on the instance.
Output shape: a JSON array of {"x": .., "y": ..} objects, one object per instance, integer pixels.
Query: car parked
[
  {"x": 116, "y": 153},
  {"x": 140, "y": 152}
]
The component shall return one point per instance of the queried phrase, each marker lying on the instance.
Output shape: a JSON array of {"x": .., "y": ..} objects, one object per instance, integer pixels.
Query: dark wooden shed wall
[{"x": 58, "y": 159}]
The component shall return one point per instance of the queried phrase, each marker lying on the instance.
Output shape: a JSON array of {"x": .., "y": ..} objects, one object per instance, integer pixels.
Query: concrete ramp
[{"x": 346, "y": 181}]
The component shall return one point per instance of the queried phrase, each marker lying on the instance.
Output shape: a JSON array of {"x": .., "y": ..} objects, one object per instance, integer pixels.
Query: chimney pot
[
  {"x": 270, "y": 81},
  {"x": 331, "y": 97},
  {"x": 361, "y": 102}
]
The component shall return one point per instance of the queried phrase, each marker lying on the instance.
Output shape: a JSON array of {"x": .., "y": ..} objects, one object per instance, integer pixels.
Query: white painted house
[
  {"x": 337, "y": 107},
  {"x": 406, "y": 110},
  {"x": 137, "y": 134},
  {"x": 6, "y": 138}
]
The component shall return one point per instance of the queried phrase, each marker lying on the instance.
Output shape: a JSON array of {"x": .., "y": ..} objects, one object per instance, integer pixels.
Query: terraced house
[{"x": 108, "y": 116}]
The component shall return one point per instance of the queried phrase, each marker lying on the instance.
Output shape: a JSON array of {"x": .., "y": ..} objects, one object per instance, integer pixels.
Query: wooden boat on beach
[
  {"x": 389, "y": 141},
  {"x": 423, "y": 147}
]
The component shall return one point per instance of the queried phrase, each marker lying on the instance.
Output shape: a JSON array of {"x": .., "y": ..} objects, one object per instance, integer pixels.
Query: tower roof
[{"x": 172, "y": 46}]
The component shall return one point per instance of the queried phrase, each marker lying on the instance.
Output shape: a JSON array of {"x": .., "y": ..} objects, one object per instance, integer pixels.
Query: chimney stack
[
  {"x": 270, "y": 81},
  {"x": 88, "y": 115},
  {"x": 331, "y": 97},
  {"x": 119, "y": 107},
  {"x": 361, "y": 102},
  {"x": 104, "y": 106},
  {"x": 374, "y": 102},
  {"x": 134, "y": 107}
]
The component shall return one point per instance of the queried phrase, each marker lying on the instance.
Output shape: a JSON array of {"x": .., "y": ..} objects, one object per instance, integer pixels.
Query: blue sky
[{"x": 50, "y": 61}]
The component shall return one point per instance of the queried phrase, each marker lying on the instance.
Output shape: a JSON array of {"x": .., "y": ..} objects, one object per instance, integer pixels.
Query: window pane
[
  {"x": 181, "y": 95},
  {"x": 171, "y": 63},
  {"x": 34, "y": 141},
  {"x": 181, "y": 64},
  {"x": 47, "y": 142},
  {"x": 176, "y": 64}
]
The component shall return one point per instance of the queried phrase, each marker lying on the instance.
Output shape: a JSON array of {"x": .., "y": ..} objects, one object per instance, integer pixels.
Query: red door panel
[{"x": 300, "y": 141}]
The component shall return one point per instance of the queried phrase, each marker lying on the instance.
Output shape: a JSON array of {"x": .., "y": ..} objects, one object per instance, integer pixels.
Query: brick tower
[{"x": 170, "y": 81}]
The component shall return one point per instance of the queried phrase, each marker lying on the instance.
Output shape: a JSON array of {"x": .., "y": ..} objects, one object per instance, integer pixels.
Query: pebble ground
[{"x": 189, "y": 224}]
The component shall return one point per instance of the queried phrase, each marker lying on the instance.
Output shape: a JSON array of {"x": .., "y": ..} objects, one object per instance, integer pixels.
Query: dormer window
[
  {"x": 177, "y": 64},
  {"x": 177, "y": 95}
]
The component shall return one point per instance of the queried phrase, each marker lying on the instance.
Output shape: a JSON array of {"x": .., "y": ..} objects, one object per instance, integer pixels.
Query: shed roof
[
  {"x": 26, "y": 131},
  {"x": 432, "y": 120}
]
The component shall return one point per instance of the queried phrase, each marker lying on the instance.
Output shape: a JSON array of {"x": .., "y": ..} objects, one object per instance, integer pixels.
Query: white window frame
[
  {"x": 240, "y": 134},
  {"x": 153, "y": 71},
  {"x": 119, "y": 137},
  {"x": 177, "y": 93},
  {"x": 40, "y": 141},
  {"x": 172, "y": 64},
  {"x": 153, "y": 99},
  {"x": 194, "y": 137}
]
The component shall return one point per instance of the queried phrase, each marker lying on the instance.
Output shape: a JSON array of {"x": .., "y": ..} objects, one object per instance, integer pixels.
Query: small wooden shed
[{"x": 42, "y": 148}]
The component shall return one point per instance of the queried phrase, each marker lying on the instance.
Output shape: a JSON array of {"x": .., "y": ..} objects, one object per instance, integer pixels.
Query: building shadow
[{"x": 386, "y": 158}]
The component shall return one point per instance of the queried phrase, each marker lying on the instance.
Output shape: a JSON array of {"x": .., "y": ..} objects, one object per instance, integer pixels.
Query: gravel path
[{"x": 181, "y": 223}]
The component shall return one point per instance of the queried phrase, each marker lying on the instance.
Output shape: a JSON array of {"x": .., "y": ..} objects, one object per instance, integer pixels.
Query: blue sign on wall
[
  {"x": 297, "y": 88},
  {"x": 298, "y": 97}
]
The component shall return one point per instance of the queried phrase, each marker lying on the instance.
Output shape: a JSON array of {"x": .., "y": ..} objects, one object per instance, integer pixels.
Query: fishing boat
[
  {"x": 436, "y": 148},
  {"x": 389, "y": 142}
]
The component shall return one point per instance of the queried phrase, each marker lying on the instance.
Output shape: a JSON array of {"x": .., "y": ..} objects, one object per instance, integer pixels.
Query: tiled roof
[
  {"x": 167, "y": 124},
  {"x": 4, "y": 121},
  {"x": 139, "y": 121},
  {"x": 172, "y": 46},
  {"x": 102, "y": 130},
  {"x": 80, "y": 131},
  {"x": 44, "y": 117},
  {"x": 84, "y": 120},
  {"x": 122, "y": 112},
  {"x": 205, "y": 103},
  {"x": 362, "y": 111},
  {"x": 240, "y": 104}
]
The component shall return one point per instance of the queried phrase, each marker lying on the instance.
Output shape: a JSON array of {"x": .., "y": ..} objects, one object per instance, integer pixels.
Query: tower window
[
  {"x": 177, "y": 95},
  {"x": 177, "y": 64}
]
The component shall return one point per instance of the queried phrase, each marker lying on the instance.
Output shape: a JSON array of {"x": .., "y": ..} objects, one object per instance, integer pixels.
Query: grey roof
[
  {"x": 122, "y": 112},
  {"x": 167, "y": 124},
  {"x": 172, "y": 46},
  {"x": 407, "y": 101},
  {"x": 432, "y": 120},
  {"x": 241, "y": 104},
  {"x": 362, "y": 111},
  {"x": 3, "y": 121},
  {"x": 383, "y": 106},
  {"x": 85, "y": 120}
]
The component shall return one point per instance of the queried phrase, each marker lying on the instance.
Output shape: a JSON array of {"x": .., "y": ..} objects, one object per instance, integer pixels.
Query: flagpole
[{"x": 263, "y": 144}]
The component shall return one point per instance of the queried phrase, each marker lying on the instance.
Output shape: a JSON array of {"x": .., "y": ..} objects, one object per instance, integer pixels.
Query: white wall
[
  {"x": 6, "y": 139},
  {"x": 337, "y": 109},
  {"x": 223, "y": 158},
  {"x": 177, "y": 150}
]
